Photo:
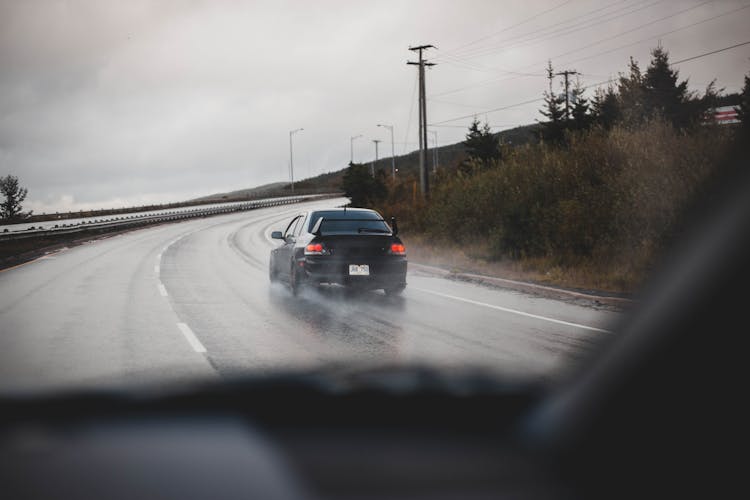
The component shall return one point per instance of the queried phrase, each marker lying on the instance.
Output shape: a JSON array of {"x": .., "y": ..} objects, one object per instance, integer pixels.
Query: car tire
[
  {"x": 295, "y": 283},
  {"x": 396, "y": 290},
  {"x": 273, "y": 274}
]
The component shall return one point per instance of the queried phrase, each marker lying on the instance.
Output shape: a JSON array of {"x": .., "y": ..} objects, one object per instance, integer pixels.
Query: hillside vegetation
[
  {"x": 593, "y": 214},
  {"x": 591, "y": 205}
]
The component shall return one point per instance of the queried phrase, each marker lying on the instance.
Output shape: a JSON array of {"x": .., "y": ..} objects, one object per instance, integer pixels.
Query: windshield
[{"x": 163, "y": 164}]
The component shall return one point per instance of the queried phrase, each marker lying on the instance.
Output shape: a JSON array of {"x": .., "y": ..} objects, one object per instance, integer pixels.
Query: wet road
[{"x": 192, "y": 300}]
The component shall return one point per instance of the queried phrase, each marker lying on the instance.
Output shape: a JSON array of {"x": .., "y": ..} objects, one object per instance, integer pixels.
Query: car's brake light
[
  {"x": 398, "y": 249},
  {"x": 315, "y": 249}
]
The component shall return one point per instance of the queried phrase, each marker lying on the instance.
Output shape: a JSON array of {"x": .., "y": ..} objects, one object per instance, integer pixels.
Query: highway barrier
[{"x": 116, "y": 223}]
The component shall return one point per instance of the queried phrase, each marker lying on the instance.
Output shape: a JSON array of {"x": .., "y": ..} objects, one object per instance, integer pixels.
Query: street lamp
[
  {"x": 351, "y": 148},
  {"x": 393, "y": 151},
  {"x": 291, "y": 156},
  {"x": 372, "y": 165}
]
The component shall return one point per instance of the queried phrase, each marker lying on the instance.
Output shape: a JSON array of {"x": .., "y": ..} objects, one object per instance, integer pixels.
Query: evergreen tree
[
  {"x": 11, "y": 208},
  {"x": 743, "y": 110},
  {"x": 481, "y": 144},
  {"x": 580, "y": 109},
  {"x": 700, "y": 110},
  {"x": 605, "y": 110},
  {"x": 631, "y": 94},
  {"x": 665, "y": 95},
  {"x": 363, "y": 189},
  {"x": 553, "y": 129}
]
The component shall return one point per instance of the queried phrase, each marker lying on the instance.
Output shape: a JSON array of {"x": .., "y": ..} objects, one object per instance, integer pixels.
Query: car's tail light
[
  {"x": 315, "y": 249},
  {"x": 398, "y": 249}
]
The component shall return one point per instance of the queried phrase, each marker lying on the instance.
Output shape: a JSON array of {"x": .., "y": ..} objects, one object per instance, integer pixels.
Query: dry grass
[
  {"x": 618, "y": 279},
  {"x": 595, "y": 214}
]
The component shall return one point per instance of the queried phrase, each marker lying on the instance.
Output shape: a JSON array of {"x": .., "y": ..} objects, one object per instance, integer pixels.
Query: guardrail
[{"x": 103, "y": 225}]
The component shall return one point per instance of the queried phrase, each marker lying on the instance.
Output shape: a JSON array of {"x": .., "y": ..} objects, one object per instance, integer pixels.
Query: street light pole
[
  {"x": 376, "y": 141},
  {"x": 351, "y": 148},
  {"x": 393, "y": 151},
  {"x": 291, "y": 156}
]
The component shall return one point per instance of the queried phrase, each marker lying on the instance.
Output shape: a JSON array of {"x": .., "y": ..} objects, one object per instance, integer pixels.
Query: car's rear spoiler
[{"x": 316, "y": 228}]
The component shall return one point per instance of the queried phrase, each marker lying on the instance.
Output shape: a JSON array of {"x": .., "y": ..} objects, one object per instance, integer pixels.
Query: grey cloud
[{"x": 116, "y": 102}]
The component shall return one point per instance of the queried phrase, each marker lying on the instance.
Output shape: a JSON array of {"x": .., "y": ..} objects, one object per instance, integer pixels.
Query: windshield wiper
[{"x": 373, "y": 230}]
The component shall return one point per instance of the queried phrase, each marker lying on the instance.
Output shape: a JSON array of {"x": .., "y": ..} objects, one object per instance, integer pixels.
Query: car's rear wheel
[
  {"x": 273, "y": 274},
  {"x": 295, "y": 280}
]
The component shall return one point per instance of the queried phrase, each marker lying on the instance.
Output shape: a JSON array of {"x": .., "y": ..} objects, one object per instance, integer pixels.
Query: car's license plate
[{"x": 359, "y": 270}]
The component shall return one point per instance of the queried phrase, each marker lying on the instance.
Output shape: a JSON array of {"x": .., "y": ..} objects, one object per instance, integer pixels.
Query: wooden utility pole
[
  {"x": 566, "y": 74},
  {"x": 424, "y": 176}
]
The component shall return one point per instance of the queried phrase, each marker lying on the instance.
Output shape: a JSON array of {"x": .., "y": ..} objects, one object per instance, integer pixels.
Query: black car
[{"x": 348, "y": 246}]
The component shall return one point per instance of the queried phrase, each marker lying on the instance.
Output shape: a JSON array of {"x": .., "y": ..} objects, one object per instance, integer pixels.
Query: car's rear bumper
[{"x": 389, "y": 272}]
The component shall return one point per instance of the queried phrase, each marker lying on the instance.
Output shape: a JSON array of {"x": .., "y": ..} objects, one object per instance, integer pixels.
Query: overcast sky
[{"x": 109, "y": 104}]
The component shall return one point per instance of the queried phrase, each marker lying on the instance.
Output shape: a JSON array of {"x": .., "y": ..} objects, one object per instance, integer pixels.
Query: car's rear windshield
[{"x": 354, "y": 222}]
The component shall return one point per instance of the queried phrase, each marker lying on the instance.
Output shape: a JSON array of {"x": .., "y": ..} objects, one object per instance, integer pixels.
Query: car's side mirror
[
  {"x": 276, "y": 235},
  {"x": 394, "y": 226}
]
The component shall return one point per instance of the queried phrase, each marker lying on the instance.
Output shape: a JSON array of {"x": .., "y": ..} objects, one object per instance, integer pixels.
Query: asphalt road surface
[{"x": 192, "y": 300}]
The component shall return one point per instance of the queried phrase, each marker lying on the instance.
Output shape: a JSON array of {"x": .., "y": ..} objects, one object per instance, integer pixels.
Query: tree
[
  {"x": 632, "y": 96},
  {"x": 665, "y": 95},
  {"x": 363, "y": 189},
  {"x": 11, "y": 208},
  {"x": 605, "y": 110},
  {"x": 700, "y": 110},
  {"x": 481, "y": 144},
  {"x": 580, "y": 111},
  {"x": 743, "y": 110},
  {"x": 553, "y": 129}
]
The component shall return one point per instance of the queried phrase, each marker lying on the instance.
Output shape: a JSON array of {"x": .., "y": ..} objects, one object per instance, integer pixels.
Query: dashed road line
[
  {"x": 191, "y": 338},
  {"x": 162, "y": 290}
]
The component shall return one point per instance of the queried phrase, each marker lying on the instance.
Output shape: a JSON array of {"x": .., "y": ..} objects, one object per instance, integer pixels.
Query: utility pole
[
  {"x": 372, "y": 165},
  {"x": 351, "y": 148},
  {"x": 434, "y": 151},
  {"x": 424, "y": 177},
  {"x": 566, "y": 74},
  {"x": 393, "y": 151},
  {"x": 291, "y": 156}
]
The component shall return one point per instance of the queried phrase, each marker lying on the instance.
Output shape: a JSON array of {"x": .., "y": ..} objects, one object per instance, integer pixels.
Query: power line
[
  {"x": 500, "y": 125},
  {"x": 512, "y": 26},
  {"x": 610, "y": 80},
  {"x": 660, "y": 35},
  {"x": 456, "y": 104},
  {"x": 459, "y": 53},
  {"x": 562, "y": 31},
  {"x": 710, "y": 53},
  {"x": 618, "y": 35},
  {"x": 460, "y": 61},
  {"x": 502, "y": 108},
  {"x": 502, "y": 79},
  {"x": 593, "y": 22}
]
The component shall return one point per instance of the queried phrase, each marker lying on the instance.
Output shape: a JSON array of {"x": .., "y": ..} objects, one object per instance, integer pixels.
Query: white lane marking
[
  {"x": 162, "y": 290},
  {"x": 191, "y": 338},
  {"x": 509, "y": 310},
  {"x": 157, "y": 269},
  {"x": 158, "y": 257}
]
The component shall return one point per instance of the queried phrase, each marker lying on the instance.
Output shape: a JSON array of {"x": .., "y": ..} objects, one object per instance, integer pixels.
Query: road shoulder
[{"x": 600, "y": 300}]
